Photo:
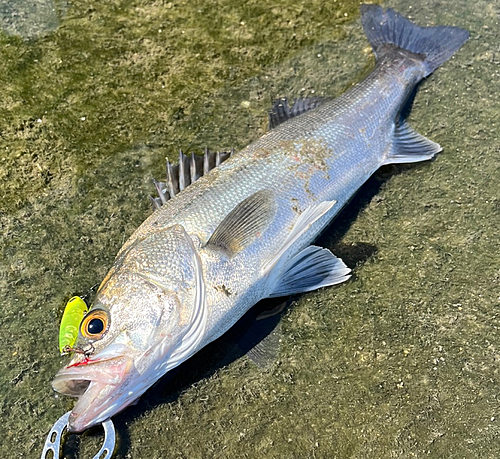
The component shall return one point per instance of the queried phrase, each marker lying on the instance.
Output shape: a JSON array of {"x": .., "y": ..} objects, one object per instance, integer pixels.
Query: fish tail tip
[{"x": 388, "y": 27}]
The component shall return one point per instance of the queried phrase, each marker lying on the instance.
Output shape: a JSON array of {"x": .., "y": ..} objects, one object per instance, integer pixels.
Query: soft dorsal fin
[
  {"x": 282, "y": 111},
  {"x": 188, "y": 170},
  {"x": 247, "y": 221}
]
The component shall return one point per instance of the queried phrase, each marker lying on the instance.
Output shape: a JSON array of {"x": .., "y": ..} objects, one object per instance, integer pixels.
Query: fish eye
[{"x": 94, "y": 324}]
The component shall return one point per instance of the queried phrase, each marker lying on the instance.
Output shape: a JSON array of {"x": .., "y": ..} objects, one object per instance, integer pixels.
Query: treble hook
[{"x": 53, "y": 441}]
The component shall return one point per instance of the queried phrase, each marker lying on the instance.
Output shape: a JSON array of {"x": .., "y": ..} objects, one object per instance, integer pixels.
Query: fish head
[{"x": 148, "y": 316}]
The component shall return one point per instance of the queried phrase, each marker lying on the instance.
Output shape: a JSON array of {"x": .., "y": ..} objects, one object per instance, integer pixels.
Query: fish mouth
[{"x": 101, "y": 387}]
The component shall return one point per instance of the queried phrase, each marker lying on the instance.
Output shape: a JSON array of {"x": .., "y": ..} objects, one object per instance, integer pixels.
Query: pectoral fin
[
  {"x": 246, "y": 222},
  {"x": 265, "y": 353},
  {"x": 258, "y": 333}
]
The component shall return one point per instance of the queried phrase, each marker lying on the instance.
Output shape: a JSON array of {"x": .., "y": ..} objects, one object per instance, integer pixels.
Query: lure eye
[{"x": 94, "y": 324}]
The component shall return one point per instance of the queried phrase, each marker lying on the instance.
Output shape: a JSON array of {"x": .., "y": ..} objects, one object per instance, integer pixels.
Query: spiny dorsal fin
[
  {"x": 246, "y": 222},
  {"x": 282, "y": 112},
  {"x": 188, "y": 170}
]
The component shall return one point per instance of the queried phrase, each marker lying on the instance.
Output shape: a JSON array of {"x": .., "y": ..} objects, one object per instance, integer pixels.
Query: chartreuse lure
[{"x": 73, "y": 315}]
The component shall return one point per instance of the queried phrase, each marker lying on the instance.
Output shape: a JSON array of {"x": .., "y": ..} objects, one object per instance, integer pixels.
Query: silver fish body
[{"x": 243, "y": 231}]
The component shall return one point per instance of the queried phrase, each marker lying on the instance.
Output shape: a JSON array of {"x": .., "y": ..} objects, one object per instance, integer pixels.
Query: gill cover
[
  {"x": 155, "y": 298},
  {"x": 169, "y": 260},
  {"x": 155, "y": 292}
]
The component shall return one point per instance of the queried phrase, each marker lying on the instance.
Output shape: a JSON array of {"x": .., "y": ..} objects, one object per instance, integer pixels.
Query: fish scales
[
  {"x": 243, "y": 231},
  {"x": 323, "y": 155}
]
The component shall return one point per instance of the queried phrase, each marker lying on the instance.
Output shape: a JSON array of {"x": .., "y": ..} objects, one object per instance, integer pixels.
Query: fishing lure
[
  {"x": 74, "y": 312},
  {"x": 75, "y": 316}
]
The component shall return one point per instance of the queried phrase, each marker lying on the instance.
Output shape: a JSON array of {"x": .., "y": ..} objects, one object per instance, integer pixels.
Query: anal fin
[{"x": 410, "y": 147}]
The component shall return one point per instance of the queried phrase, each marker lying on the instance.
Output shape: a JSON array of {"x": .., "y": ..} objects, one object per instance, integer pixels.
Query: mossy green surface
[{"x": 401, "y": 361}]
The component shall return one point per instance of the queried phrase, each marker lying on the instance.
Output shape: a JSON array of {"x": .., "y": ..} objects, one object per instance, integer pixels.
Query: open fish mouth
[{"x": 101, "y": 386}]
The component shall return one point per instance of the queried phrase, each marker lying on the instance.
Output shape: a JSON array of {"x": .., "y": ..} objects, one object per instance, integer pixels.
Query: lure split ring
[{"x": 53, "y": 441}]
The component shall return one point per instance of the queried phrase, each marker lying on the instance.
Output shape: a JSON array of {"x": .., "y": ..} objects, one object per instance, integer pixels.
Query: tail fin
[{"x": 437, "y": 44}]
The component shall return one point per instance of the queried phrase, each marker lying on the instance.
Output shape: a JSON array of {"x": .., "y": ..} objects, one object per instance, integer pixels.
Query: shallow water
[{"x": 401, "y": 361}]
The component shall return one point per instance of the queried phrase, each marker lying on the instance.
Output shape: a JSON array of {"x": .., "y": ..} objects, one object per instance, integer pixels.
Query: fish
[{"x": 232, "y": 229}]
